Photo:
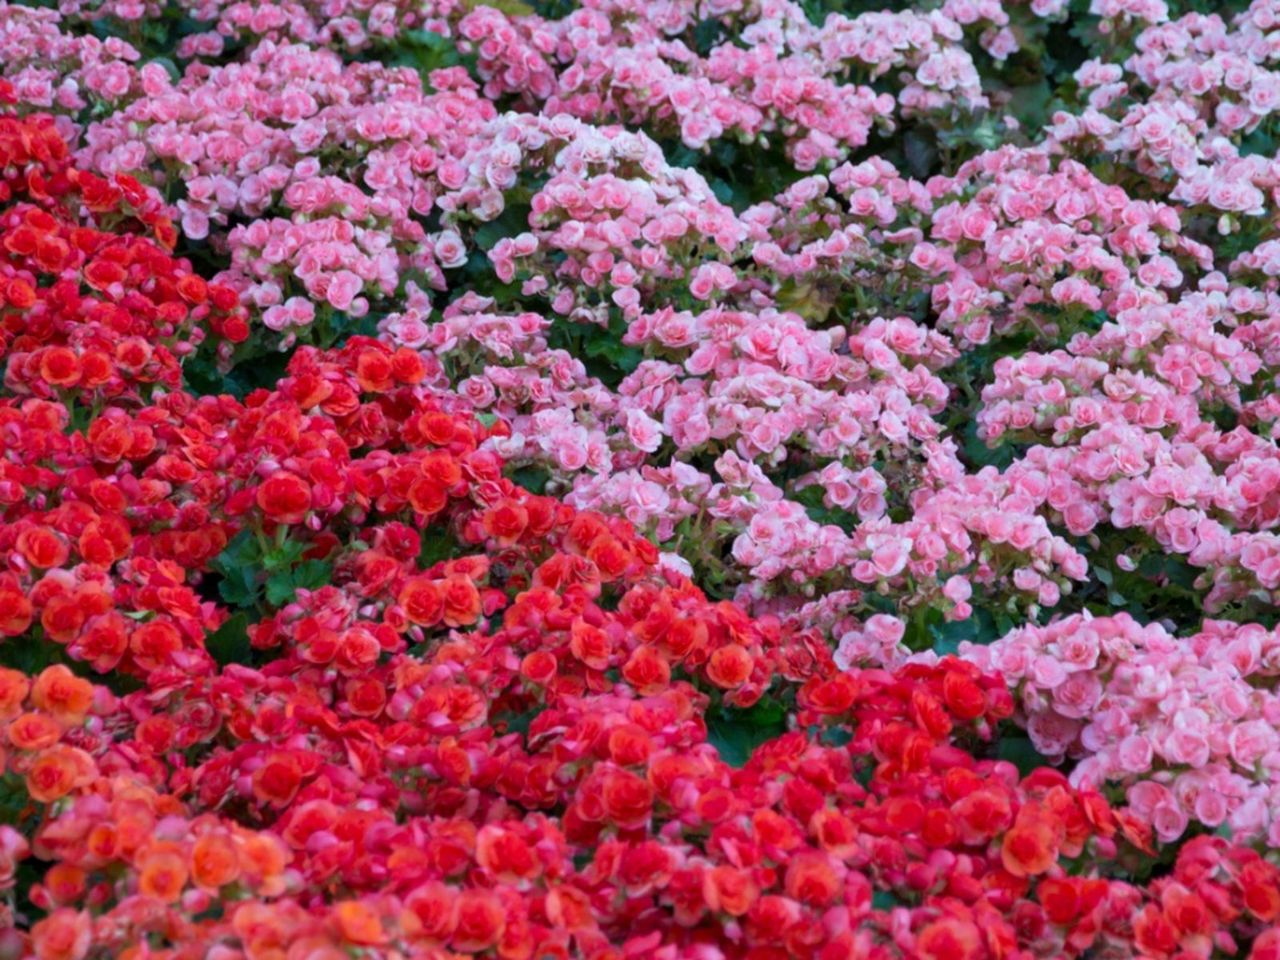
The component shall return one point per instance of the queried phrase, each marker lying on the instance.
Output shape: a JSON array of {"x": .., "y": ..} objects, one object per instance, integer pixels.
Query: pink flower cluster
[
  {"x": 778, "y": 79},
  {"x": 1189, "y": 726},
  {"x": 58, "y": 72},
  {"x": 247, "y": 140},
  {"x": 1175, "y": 112},
  {"x": 1122, "y": 422}
]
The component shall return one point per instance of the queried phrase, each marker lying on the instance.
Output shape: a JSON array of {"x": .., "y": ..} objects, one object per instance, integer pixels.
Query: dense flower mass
[{"x": 696, "y": 480}]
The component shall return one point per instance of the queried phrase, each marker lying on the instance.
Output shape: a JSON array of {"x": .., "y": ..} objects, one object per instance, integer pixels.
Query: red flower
[
  {"x": 1267, "y": 945},
  {"x": 963, "y": 697},
  {"x": 461, "y": 602},
  {"x": 505, "y": 855},
  {"x": 59, "y": 367},
  {"x": 481, "y": 921},
  {"x": 423, "y": 601},
  {"x": 506, "y": 522},
  {"x": 276, "y": 782},
  {"x": 1153, "y": 934},
  {"x": 284, "y": 497},
  {"x": 193, "y": 289},
  {"x": 1030, "y": 847},
  {"x": 431, "y": 913},
  {"x": 812, "y": 878},
  {"x": 628, "y": 800},
  {"x": 1260, "y": 883},
  {"x": 950, "y": 939},
  {"x": 730, "y": 666},
  {"x": 65, "y": 934},
  {"x": 982, "y": 815},
  {"x": 729, "y": 890},
  {"x": 1060, "y": 898},
  {"x": 16, "y": 613}
]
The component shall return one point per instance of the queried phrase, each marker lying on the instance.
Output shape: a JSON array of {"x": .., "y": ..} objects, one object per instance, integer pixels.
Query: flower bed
[{"x": 692, "y": 481}]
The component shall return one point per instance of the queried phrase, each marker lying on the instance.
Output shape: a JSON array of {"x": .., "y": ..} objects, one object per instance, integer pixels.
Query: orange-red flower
[
  {"x": 359, "y": 923},
  {"x": 461, "y": 602},
  {"x": 430, "y": 913},
  {"x": 1030, "y": 847},
  {"x": 729, "y": 890},
  {"x": 14, "y": 687},
  {"x": 162, "y": 873},
  {"x": 505, "y": 522},
  {"x": 16, "y": 613},
  {"x": 422, "y": 600},
  {"x": 480, "y": 921},
  {"x": 43, "y": 548},
  {"x": 505, "y": 855},
  {"x": 276, "y": 782},
  {"x": 950, "y": 939},
  {"x": 214, "y": 861},
  {"x": 63, "y": 695},
  {"x": 812, "y": 878},
  {"x": 284, "y": 497},
  {"x": 65, "y": 934},
  {"x": 57, "y": 771},
  {"x": 628, "y": 800},
  {"x": 730, "y": 666}
]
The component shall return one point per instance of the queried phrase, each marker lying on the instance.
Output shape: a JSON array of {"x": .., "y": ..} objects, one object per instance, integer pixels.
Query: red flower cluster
[
  {"x": 365, "y": 696},
  {"x": 90, "y": 310}
]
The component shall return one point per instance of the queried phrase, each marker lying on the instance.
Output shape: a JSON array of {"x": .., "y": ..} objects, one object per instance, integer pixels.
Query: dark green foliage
[{"x": 736, "y": 733}]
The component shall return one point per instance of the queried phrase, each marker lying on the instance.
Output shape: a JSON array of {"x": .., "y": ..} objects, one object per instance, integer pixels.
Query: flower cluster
[
  {"x": 1188, "y": 726},
  {"x": 479, "y": 713},
  {"x": 699, "y": 480},
  {"x": 68, "y": 74}
]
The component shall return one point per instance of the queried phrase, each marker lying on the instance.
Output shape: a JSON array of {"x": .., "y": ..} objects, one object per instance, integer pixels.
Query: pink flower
[{"x": 342, "y": 289}]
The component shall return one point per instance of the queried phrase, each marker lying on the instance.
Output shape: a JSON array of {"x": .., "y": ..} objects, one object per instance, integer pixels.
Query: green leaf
[
  {"x": 885, "y": 900},
  {"x": 811, "y": 498},
  {"x": 1260, "y": 141},
  {"x": 920, "y": 146},
  {"x": 706, "y": 35},
  {"x": 513, "y": 220},
  {"x": 280, "y": 589},
  {"x": 31, "y": 653},
  {"x": 242, "y": 549},
  {"x": 520, "y": 723},
  {"x": 239, "y": 589},
  {"x": 1019, "y": 751},
  {"x": 1029, "y": 103},
  {"x": 313, "y": 574},
  {"x": 230, "y": 642},
  {"x": 435, "y": 547},
  {"x": 980, "y": 455},
  {"x": 532, "y": 478},
  {"x": 285, "y": 555},
  {"x": 424, "y": 51},
  {"x": 238, "y": 566},
  {"x": 836, "y": 736},
  {"x": 512, "y": 8},
  {"x": 737, "y": 733},
  {"x": 283, "y": 587},
  {"x": 608, "y": 345},
  {"x": 947, "y": 635}
]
